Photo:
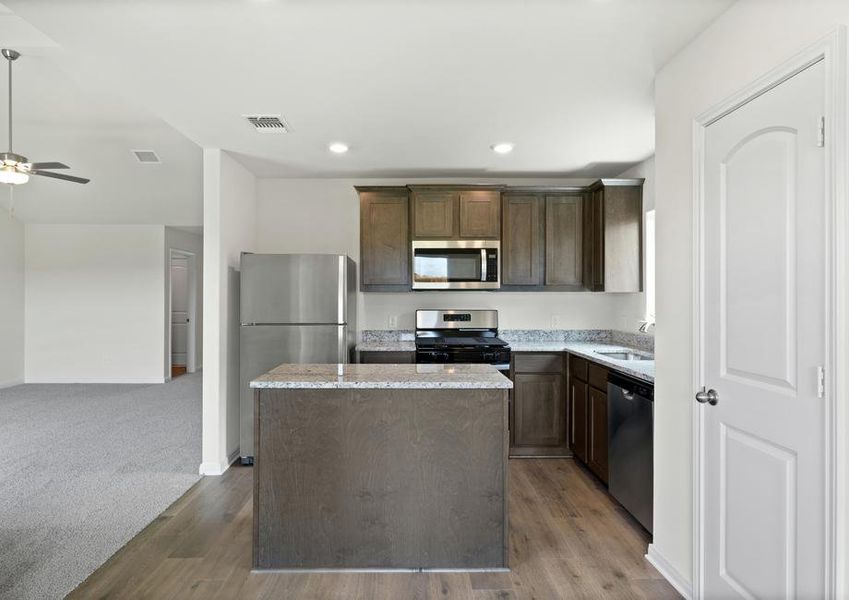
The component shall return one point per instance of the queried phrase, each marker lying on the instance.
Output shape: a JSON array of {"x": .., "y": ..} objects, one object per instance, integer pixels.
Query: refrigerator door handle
[{"x": 342, "y": 289}]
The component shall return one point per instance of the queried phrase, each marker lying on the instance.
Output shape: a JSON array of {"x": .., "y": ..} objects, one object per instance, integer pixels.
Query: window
[{"x": 650, "y": 264}]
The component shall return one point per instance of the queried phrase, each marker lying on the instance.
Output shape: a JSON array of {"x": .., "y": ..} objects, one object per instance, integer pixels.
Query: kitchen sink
[{"x": 623, "y": 355}]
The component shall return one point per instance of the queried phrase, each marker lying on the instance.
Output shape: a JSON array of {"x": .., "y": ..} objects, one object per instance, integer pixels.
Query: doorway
[
  {"x": 182, "y": 312},
  {"x": 767, "y": 350}
]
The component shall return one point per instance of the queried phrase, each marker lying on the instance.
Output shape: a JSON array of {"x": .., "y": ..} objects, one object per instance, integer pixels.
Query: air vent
[
  {"x": 146, "y": 156},
  {"x": 268, "y": 123}
]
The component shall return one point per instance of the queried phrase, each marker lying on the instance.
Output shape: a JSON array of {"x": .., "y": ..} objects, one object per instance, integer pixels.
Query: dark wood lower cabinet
[
  {"x": 538, "y": 406},
  {"x": 597, "y": 426},
  {"x": 588, "y": 402},
  {"x": 578, "y": 401},
  {"x": 386, "y": 357}
]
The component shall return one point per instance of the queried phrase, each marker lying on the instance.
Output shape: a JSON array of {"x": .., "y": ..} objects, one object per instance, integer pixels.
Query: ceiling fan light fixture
[{"x": 12, "y": 176}]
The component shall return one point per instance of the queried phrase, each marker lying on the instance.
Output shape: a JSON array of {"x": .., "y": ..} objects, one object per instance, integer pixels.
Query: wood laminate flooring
[{"x": 568, "y": 539}]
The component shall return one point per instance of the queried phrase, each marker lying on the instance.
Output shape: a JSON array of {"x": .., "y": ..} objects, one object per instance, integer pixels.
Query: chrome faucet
[{"x": 646, "y": 325}]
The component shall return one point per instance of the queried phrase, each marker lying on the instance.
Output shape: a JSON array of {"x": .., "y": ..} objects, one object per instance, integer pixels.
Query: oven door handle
[{"x": 483, "y": 264}]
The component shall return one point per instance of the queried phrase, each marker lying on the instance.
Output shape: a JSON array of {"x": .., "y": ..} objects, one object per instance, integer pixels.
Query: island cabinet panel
[
  {"x": 539, "y": 419},
  {"x": 522, "y": 241},
  {"x": 435, "y": 214},
  {"x": 480, "y": 214},
  {"x": 384, "y": 240},
  {"x": 380, "y": 478},
  {"x": 563, "y": 241},
  {"x": 588, "y": 401}
]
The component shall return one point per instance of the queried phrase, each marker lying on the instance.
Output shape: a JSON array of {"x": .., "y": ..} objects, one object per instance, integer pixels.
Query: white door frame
[
  {"x": 832, "y": 50},
  {"x": 192, "y": 284}
]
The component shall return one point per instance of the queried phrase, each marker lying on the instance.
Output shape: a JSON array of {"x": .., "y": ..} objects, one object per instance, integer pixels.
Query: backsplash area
[{"x": 639, "y": 341}]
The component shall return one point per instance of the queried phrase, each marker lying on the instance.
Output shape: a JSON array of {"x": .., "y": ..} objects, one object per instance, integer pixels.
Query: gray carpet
[{"x": 83, "y": 468}]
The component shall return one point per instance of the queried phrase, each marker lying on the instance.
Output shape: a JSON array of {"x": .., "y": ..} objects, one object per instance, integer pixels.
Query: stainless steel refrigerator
[{"x": 295, "y": 308}]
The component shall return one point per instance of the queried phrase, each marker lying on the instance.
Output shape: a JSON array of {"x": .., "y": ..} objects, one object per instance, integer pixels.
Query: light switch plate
[
  {"x": 393, "y": 322},
  {"x": 555, "y": 321}
]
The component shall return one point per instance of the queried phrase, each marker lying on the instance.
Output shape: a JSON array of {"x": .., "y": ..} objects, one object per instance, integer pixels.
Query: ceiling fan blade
[
  {"x": 60, "y": 176},
  {"x": 49, "y": 165}
]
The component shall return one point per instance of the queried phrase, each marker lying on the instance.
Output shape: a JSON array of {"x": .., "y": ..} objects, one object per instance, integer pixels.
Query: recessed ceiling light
[
  {"x": 338, "y": 148},
  {"x": 502, "y": 148}
]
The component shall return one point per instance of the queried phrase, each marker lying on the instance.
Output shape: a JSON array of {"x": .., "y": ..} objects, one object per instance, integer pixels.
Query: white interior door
[
  {"x": 179, "y": 310},
  {"x": 764, "y": 336}
]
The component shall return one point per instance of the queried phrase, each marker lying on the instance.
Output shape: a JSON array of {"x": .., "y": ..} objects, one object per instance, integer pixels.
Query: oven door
[{"x": 456, "y": 265}]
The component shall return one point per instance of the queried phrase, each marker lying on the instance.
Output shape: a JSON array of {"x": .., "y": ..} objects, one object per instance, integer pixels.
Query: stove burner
[{"x": 472, "y": 340}]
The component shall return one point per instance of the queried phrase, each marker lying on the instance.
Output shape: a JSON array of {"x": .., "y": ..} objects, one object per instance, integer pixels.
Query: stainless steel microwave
[{"x": 456, "y": 265}]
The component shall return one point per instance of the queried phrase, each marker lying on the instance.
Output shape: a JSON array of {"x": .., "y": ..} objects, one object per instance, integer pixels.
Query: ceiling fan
[{"x": 16, "y": 169}]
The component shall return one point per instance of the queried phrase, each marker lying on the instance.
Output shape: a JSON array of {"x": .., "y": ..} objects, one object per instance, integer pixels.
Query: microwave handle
[{"x": 483, "y": 264}]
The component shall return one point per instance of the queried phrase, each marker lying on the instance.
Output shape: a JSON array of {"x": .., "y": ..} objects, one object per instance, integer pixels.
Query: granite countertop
[
  {"x": 639, "y": 369},
  {"x": 386, "y": 346},
  {"x": 355, "y": 376},
  {"x": 378, "y": 340}
]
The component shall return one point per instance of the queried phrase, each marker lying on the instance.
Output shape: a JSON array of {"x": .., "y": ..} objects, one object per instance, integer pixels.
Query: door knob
[{"x": 707, "y": 397}]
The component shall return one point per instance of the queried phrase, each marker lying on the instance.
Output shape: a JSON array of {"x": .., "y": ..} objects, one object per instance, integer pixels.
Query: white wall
[
  {"x": 11, "y": 300},
  {"x": 322, "y": 215},
  {"x": 229, "y": 197},
  {"x": 94, "y": 303},
  {"x": 748, "y": 40},
  {"x": 176, "y": 239}
]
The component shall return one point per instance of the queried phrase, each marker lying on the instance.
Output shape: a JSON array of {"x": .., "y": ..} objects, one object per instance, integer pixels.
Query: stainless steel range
[{"x": 460, "y": 336}]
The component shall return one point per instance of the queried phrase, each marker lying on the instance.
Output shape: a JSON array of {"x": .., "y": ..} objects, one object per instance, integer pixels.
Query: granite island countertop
[{"x": 383, "y": 376}]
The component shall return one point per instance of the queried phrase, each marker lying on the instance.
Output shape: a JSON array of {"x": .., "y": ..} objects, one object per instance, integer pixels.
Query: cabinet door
[
  {"x": 434, "y": 214},
  {"x": 384, "y": 241},
  {"x": 539, "y": 405},
  {"x": 563, "y": 241},
  {"x": 623, "y": 238},
  {"x": 593, "y": 241},
  {"x": 578, "y": 437},
  {"x": 480, "y": 214},
  {"x": 597, "y": 443},
  {"x": 521, "y": 241}
]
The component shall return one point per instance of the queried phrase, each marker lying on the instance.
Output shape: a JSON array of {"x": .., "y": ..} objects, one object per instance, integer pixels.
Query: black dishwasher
[{"x": 630, "y": 430}]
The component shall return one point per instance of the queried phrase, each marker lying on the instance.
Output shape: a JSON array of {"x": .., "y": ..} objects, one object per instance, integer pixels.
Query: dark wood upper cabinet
[
  {"x": 435, "y": 214},
  {"x": 563, "y": 240},
  {"x": 522, "y": 240},
  {"x": 480, "y": 214},
  {"x": 384, "y": 239},
  {"x": 613, "y": 236}
]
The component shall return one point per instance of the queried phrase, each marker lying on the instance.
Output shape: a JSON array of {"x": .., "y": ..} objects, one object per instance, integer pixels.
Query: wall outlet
[{"x": 393, "y": 322}]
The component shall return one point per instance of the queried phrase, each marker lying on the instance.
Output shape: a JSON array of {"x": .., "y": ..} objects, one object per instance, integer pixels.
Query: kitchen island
[{"x": 381, "y": 467}]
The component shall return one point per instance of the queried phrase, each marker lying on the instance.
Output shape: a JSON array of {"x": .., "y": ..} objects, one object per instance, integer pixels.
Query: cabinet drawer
[
  {"x": 597, "y": 377},
  {"x": 386, "y": 357},
  {"x": 577, "y": 367},
  {"x": 538, "y": 363}
]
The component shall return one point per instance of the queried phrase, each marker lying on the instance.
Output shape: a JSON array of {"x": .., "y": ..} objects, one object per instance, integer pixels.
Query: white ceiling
[
  {"x": 416, "y": 87},
  {"x": 61, "y": 117}
]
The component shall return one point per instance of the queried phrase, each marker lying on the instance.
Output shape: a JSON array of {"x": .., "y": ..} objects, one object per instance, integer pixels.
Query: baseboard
[
  {"x": 669, "y": 572},
  {"x": 10, "y": 383},
  {"x": 66, "y": 380},
  {"x": 215, "y": 468}
]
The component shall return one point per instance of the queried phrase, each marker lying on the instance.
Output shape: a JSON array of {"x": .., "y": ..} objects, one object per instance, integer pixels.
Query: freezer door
[
  {"x": 264, "y": 347},
  {"x": 294, "y": 288}
]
